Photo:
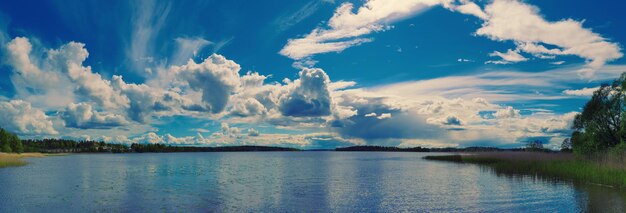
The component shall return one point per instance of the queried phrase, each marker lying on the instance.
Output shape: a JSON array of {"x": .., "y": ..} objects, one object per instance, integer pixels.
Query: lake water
[{"x": 284, "y": 182}]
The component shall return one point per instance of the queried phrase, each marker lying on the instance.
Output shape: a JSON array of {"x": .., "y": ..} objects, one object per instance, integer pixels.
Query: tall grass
[
  {"x": 577, "y": 170},
  {"x": 11, "y": 159}
]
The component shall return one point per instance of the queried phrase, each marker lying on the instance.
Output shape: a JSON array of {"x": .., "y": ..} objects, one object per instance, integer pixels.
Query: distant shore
[{"x": 549, "y": 165}]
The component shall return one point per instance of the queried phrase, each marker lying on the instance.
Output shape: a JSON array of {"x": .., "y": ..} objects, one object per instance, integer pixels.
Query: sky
[{"x": 314, "y": 74}]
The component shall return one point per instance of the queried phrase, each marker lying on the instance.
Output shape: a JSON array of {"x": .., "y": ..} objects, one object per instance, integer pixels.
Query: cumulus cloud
[
  {"x": 20, "y": 117},
  {"x": 31, "y": 82},
  {"x": 83, "y": 116},
  {"x": 508, "y": 112},
  {"x": 376, "y": 122},
  {"x": 253, "y": 132},
  {"x": 150, "y": 137},
  {"x": 449, "y": 120},
  {"x": 432, "y": 112},
  {"x": 144, "y": 101},
  {"x": 311, "y": 141},
  {"x": 58, "y": 78},
  {"x": 230, "y": 131},
  {"x": 247, "y": 107},
  {"x": 309, "y": 95},
  {"x": 216, "y": 77},
  {"x": 69, "y": 58}
]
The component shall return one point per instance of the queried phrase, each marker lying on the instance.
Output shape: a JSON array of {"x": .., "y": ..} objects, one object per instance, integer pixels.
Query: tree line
[
  {"x": 10, "y": 142},
  {"x": 71, "y": 146}
]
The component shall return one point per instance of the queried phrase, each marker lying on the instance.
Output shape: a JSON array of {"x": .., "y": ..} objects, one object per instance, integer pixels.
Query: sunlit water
[{"x": 283, "y": 182}]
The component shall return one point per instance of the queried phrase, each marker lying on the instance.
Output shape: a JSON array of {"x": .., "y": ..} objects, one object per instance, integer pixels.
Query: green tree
[
  {"x": 599, "y": 126},
  {"x": 9, "y": 142},
  {"x": 16, "y": 144},
  {"x": 5, "y": 145},
  {"x": 534, "y": 145},
  {"x": 566, "y": 145}
]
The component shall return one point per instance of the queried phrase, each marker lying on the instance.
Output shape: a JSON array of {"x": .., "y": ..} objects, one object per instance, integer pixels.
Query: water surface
[{"x": 284, "y": 182}]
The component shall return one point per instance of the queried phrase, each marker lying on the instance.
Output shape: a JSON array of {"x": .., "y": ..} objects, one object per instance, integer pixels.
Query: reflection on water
[{"x": 285, "y": 182}]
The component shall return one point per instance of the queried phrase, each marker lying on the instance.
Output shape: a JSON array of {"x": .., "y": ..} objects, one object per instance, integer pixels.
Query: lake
[{"x": 284, "y": 182}]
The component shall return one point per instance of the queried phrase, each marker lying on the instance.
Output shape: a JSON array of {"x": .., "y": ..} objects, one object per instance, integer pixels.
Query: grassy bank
[
  {"x": 12, "y": 159},
  {"x": 561, "y": 166}
]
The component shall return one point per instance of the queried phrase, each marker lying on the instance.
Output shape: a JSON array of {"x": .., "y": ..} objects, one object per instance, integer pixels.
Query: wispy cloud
[
  {"x": 285, "y": 22},
  {"x": 345, "y": 27},
  {"x": 503, "y": 20},
  {"x": 581, "y": 92},
  {"x": 148, "y": 18}
]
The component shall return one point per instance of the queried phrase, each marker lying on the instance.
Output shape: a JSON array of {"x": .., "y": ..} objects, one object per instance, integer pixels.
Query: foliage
[
  {"x": 9, "y": 142},
  {"x": 618, "y": 151},
  {"x": 67, "y": 146},
  {"x": 599, "y": 126},
  {"x": 534, "y": 145},
  {"x": 566, "y": 145}
]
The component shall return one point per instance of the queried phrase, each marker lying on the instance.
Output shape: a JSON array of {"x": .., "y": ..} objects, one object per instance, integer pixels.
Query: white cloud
[
  {"x": 216, "y": 77},
  {"x": 200, "y": 130},
  {"x": 247, "y": 107},
  {"x": 503, "y": 20},
  {"x": 20, "y": 117},
  {"x": 451, "y": 120},
  {"x": 253, "y": 132},
  {"x": 148, "y": 138},
  {"x": 345, "y": 27},
  {"x": 308, "y": 96},
  {"x": 468, "y": 7},
  {"x": 32, "y": 83},
  {"x": 581, "y": 92},
  {"x": 511, "y": 56},
  {"x": 557, "y": 62},
  {"x": 497, "y": 86},
  {"x": 148, "y": 19},
  {"x": 69, "y": 58},
  {"x": 384, "y": 116},
  {"x": 520, "y": 22},
  {"x": 286, "y": 21},
  {"x": 82, "y": 115},
  {"x": 187, "y": 48},
  {"x": 508, "y": 112},
  {"x": 58, "y": 78}
]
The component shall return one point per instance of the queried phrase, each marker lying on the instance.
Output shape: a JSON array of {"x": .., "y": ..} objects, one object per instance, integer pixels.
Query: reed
[
  {"x": 12, "y": 159},
  {"x": 549, "y": 165}
]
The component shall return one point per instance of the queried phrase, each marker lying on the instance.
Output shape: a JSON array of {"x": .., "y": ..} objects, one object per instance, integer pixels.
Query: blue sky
[{"x": 307, "y": 74}]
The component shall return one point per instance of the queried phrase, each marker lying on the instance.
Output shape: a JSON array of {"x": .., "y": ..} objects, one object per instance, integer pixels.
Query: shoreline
[
  {"x": 14, "y": 159},
  {"x": 547, "y": 165}
]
